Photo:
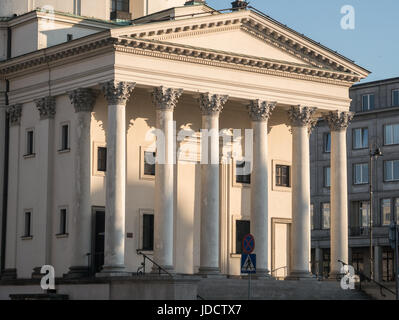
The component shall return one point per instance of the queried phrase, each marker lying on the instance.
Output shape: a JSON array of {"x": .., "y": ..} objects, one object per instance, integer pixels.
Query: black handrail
[
  {"x": 142, "y": 267},
  {"x": 363, "y": 277}
]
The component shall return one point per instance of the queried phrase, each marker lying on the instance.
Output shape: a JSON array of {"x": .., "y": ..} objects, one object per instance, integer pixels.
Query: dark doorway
[{"x": 98, "y": 240}]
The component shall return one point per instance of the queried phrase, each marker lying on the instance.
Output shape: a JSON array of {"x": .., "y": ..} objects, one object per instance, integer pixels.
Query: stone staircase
[{"x": 237, "y": 289}]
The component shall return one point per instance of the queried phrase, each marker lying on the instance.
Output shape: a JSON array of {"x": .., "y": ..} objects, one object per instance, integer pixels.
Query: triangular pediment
[{"x": 236, "y": 41}]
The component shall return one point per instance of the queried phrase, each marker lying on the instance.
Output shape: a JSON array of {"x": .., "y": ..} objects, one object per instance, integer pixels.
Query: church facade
[{"x": 171, "y": 135}]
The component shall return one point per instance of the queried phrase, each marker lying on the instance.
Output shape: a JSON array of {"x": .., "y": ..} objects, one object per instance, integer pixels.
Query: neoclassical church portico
[{"x": 78, "y": 113}]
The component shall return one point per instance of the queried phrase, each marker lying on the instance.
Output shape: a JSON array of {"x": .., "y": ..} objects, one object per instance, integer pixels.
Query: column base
[
  {"x": 262, "y": 274},
  {"x": 335, "y": 276},
  {"x": 9, "y": 274},
  {"x": 208, "y": 271},
  {"x": 113, "y": 271},
  {"x": 300, "y": 275},
  {"x": 77, "y": 272}
]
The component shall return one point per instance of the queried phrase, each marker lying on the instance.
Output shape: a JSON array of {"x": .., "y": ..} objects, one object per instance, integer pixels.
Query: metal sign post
[
  {"x": 248, "y": 260},
  {"x": 397, "y": 260}
]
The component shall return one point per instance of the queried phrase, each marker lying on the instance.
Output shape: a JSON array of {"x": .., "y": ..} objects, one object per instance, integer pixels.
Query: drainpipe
[{"x": 6, "y": 161}]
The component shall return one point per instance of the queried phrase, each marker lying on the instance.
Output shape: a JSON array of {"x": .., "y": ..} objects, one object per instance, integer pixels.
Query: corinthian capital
[
  {"x": 166, "y": 98},
  {"x": 46, "y": 107},
  {"x": 212, "y": 104},
  {"x": 14, "y": 114},
  {"x": 260, "y": 110},
  {"x": 338, "y": 120},
  {"x": 302, "y": 117},
  {"x": 117, "y": 92},
  {"x": 83, "y": 99}
]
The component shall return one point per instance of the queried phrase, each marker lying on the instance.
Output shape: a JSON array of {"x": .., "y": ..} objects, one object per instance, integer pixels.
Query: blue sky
[{"x": 373, "y": 44}]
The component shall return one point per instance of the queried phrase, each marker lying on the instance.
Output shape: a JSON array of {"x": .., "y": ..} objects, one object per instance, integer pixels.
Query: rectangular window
[
  {"x": 282, "y": 176},
  {"x": 120, "y": 5},
  {"x": 391, "y": 134},
  {"x": 312, "y": 216},
  {"x": 361, "y": 173},
  {"x": 391, "y": 170},
  {"x": 63, "y": 221},
  {"x": 242, "y": 176},
  {"x": 149, "y": 163},
  {"x": 64, "y": 137},
  {"x": 69, "y": 37},
  {"x": 395, "y": 98},
  {"x": 325, "y": 212},
  {"x": 148, "y": 232},
  {"x": 360, "y": 138},
  {"x": 364, "y": 208},
  {"x": 102, "y": 159},
  {"x": 397, "y": 209},
  {"x": 29, "y": 142},
  {"x": 368, "y": 102},
  {"x": 327, "y": 142},
  {"x": 28, "y": 222},
  {"x": 385, "y": 212},
  {"x": 242, "y": 229},
  {"x": 327, "y": 179}
]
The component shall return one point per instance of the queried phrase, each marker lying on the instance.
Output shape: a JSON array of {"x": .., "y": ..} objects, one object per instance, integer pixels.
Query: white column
[
  {"x": 301, "y": 119},
  {"x": 165, "y": 100},
  {"x": 117, "y": 95},
  {"x": 338, "y": 123},
  {"x": 14, "y": 116},
  {"x": 83, "y": 101},
  {"x": 260, "y": 112},
  {"x": 211, "y": 106},
  {"x": 45, "y": 153}
]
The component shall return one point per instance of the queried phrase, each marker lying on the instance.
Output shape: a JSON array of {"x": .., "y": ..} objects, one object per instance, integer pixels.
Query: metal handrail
[
  {"x": 285, "y": 268},
  {"x": 142, "y": 267},
  {"x": 363, "y": 277}
]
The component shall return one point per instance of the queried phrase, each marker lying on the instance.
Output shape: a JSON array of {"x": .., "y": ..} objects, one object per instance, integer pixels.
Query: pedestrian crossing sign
[{"x": 248, "y": 263}]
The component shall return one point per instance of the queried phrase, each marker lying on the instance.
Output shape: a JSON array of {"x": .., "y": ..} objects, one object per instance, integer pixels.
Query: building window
[
  {"x": 368, "y": 102},
  {"x": 391, "y": 170},
  {"x": 63, "y": 221},
  {"x": 148, "y": 232},
  {"x": 385, "y": 212},
  {"x": 102, "y": 159},
  {"x": 327, "y": 175},
  {"x": 395, "y": 98},
  {"x": 243, "y": 172},
  {"x": 391, "y": 134},
  {"x": 282, "y": 176},
  {"x": 397, "y": 209},
  {"x": 30, "y": 143},
  {"x": 325, "y": 213},
  {"x": 242, "y": 229},
  {"x": 360, "y": 138},
  {"x": 388, "y": 266},
  {"x": 120, "y": 5},
  {"x": 28, "y": 224},
  {"x": 327, "y": 142},
  {"x": 312, "y": 216},
  {"x": 364, "y": 208},
  {"x": 64, "y": 137},
  {"x": 361, "y": 173},
  {"x": 149, "y": 163},
  {"x": 69, "y": 37}
]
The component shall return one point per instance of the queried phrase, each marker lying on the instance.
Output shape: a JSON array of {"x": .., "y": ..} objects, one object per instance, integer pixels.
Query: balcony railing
[{"x": 358, "y": 231}]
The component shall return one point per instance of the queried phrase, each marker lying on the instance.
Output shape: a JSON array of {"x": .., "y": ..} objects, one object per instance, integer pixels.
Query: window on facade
[
  {"x": 325, "y": 215},
  {"x": 397, "y": 209},
  {"x": 395, "y": 98},
  {"x": 312, "y": 216},
  {"x": 391, "y": 134},
  {"x": 102, "y": 159},
  {"x": 69, "y": 37},
  {"x": 282, "y": 176},
  {"x": 391, "y": 170},
  {"x": 327, "y": 175},
  {"x": 364, "y": 208},
  {"x": 361, "y": 173},
  {"x": 385, "y": 212},
  {"x": 360, "y": 138},
  {"x": 120, "y": 5},
  {"x": 242, "y": 229},
  {"x": 148, "y": 232},
  {"x": 368, "y": 102},
  {"x": 327, "y": 142},
  {"x": 241, "y": 175},
  {"x": 149, "y": 163},
  {"x": 63, "y": 221},
  {"x": 28, "y": 222},
  {"x": 65, "y": 137},
  {"x": 29, "y": 142}
]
